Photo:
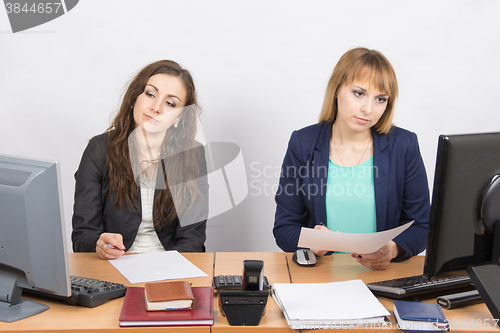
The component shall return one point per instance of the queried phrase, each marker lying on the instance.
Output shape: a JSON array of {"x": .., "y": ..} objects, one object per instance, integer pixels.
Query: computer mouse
[{"x": 304, "y": 257}]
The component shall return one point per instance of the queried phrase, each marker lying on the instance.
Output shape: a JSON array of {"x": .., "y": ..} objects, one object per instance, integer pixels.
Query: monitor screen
[
  {"x": 32, "y": 238},
  {"x": 465, "y": 167}
]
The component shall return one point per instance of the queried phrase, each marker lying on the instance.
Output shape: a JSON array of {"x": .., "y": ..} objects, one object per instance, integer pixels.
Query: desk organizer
[{"x": 243, "y": 307}]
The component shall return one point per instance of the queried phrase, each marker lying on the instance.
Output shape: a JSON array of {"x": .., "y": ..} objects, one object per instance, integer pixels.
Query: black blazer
[{"x": 95, "y": 213}]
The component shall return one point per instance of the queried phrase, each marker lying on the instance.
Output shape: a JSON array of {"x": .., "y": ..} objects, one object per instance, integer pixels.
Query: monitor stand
[
  {"x": 24, "y": 309},
  {"x": 486, "y": 277},
  {"x": 12, "y": 306}
]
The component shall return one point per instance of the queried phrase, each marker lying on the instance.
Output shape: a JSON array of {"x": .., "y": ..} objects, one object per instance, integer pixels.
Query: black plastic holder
[
  {"x": 485, "y": 278},
  {"x": 243, "y": 307}
]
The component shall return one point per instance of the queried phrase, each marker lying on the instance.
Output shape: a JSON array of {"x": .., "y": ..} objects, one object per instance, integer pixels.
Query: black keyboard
[
  {"x": 417, "y": 285},
  {"x": 233, "y": 282},
  {"x": 91, "y": 292},
  {"x": 87, "y": 292}
]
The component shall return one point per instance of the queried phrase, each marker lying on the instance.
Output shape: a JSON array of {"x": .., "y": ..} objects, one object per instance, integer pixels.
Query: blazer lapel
[
  {"x": 319, "y": 173},
  {"x": 138, "y": 200},
  {"x": 380, "y": 177}
]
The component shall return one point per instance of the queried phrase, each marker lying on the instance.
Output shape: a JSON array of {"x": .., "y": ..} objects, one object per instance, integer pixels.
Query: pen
[{"x": 112, "y": 247}]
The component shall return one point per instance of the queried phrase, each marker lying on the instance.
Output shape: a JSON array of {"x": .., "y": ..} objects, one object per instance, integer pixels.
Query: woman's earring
[{"x": 176, "y": 124}]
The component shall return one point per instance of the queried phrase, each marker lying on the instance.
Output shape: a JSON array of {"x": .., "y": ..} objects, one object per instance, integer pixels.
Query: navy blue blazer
[{"x": 400, "y": 180}]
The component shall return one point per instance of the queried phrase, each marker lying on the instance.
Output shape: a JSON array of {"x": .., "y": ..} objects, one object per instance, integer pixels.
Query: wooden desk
[
  {"x": 278, "y": 267},
  {"x": 275, "y": 269},
  {"x": 341, "y": 267},
  {"x": 104, "y": 318}
]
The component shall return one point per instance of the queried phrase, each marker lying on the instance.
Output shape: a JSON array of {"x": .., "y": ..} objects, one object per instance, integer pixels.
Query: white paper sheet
[
  {"x": 156, "y": 266},
  {"x": 324, "y": 303},
  {"x": 345, "y": 242}
]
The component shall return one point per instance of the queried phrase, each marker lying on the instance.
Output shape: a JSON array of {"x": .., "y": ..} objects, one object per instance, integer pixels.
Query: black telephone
[
  {"x": 233, "y": 282},
  {"x": 246, "y": 306}
]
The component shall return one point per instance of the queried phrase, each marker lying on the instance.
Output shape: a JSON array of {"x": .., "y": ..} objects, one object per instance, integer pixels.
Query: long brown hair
[
  {"x": 184, "y": 166},
  {"x": 362, "y": 64}
]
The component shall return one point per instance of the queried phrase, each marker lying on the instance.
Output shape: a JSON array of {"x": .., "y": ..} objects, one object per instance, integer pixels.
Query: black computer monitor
[
  {"x": 32, "y": 238},
  {"x": 466, "y": 168}
]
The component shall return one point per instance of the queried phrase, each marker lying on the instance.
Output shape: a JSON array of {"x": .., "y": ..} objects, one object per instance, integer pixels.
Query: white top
[{"x": 147, "y": 239}]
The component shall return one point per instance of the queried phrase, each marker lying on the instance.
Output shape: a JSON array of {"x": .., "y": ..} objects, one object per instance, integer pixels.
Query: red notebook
[{"x": 134, "y": 310}]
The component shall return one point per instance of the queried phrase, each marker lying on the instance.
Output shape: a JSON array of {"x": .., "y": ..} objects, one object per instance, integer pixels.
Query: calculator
[{"x": 234, "y": 282}]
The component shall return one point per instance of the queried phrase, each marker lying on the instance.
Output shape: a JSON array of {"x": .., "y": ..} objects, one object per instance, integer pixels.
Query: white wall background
[{"x": 261, "y": 69}]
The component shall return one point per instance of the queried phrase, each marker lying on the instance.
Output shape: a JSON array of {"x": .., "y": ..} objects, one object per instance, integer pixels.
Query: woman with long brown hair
[{"x": 141, "y": 185}]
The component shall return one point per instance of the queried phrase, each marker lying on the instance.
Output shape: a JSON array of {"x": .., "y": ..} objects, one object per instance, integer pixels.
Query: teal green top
[{"x": 350, "y": 198}]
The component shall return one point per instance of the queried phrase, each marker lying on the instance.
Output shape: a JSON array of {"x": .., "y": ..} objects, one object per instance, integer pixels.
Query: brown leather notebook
[{"x": 171, "y": 295}]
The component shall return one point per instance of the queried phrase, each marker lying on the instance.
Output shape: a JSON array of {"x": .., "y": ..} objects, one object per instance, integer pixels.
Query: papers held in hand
[
  {"x": 172, "y": 295},
  {"x": 347, "y": 242}
]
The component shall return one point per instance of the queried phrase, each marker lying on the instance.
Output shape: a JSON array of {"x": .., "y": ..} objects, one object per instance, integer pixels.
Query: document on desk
[
  {"x": 156, "y": 266},
  {"x": 345, "y": 304},
  {"x": 346, "y": 242}
]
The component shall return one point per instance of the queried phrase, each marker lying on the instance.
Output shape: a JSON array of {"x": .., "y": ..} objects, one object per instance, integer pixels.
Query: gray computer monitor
[{"x": 32, "y": 237}]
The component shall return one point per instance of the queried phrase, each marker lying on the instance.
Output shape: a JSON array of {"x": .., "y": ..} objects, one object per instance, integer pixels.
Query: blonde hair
[{"x": 362, "y": 64}]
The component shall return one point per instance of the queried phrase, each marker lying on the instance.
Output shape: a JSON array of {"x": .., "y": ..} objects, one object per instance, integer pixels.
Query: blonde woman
[{"x": 354, "y": 171}]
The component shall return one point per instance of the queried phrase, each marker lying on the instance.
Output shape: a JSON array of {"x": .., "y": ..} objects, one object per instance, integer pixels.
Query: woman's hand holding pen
[
  {"x": 379, "y": 259},
  {"x": 110, "y": 246}
]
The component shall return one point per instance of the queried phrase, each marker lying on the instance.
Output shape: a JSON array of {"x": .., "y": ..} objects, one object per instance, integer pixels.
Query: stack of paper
[{"x": 346, "y": 304}]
